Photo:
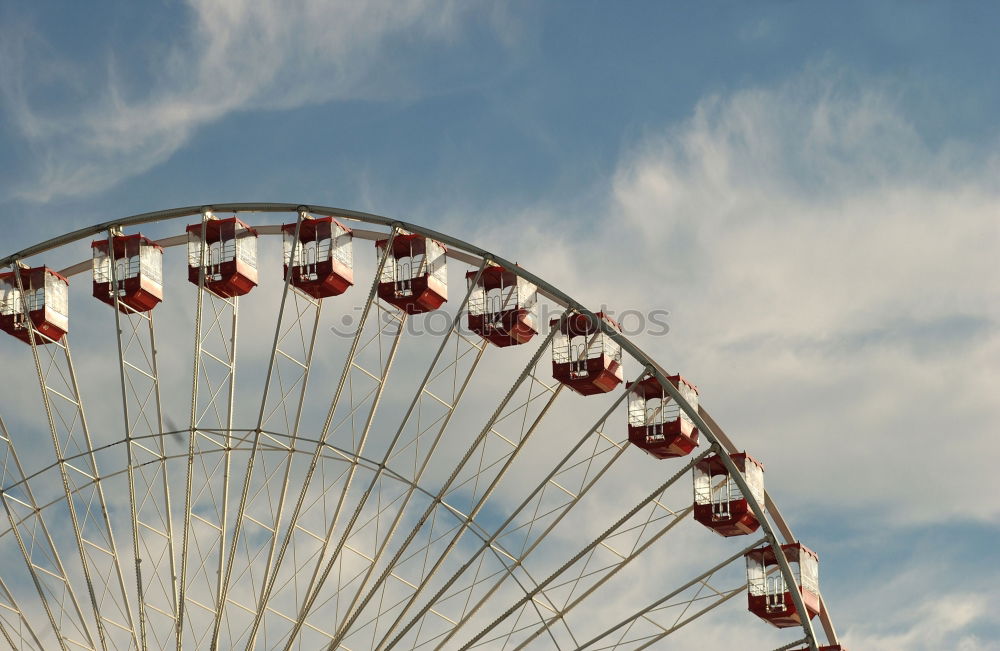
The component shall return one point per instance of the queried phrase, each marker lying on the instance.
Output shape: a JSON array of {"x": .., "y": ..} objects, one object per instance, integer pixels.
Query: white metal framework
[{"x": 365, "y": 479}]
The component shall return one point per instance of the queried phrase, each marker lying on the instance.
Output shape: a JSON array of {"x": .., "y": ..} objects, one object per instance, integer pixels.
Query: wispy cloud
[
  {"x": 832, "y": 287},
  {"x": 233, "y": 55},
  {"x": 786, "y": 229},
  {"x": 940, "y": 622}
]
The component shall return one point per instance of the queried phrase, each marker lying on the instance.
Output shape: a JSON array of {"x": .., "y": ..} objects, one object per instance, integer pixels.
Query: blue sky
[{"x": 813, "y": 185}]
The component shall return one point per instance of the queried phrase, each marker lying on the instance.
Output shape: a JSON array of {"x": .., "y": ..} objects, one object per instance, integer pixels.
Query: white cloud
[
  {"x": 832, "y": 291},
  {"x": 832, "y": 286},
  {"x": 235, "y": 55},
  {"x": 941, "y": 622}
]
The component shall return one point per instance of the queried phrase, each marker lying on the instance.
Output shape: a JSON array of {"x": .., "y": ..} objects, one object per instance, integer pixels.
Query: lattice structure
[
  {"x": 74, "y": 453},
  {"x": 376, "y": 475},
  {"x": 211, "y": 438},
  {"x": 148, "y": 484}
]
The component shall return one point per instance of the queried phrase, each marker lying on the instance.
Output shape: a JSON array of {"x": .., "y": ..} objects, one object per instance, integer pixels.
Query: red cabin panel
[
  {"x": 414, "y": 277},
  {"x": 769, "y": 597},
  {"x": 138, "y": 271},
  {"x": 45, "y": 298},
  {"x": 323, "y": 262},
  {"x": 583, "y": 357},
  {"x": 719, "y": 504},
  {"x": 656, "y": 424},
  {"x": 502, "y": 307},
  {"x": 230, "y": 256}
]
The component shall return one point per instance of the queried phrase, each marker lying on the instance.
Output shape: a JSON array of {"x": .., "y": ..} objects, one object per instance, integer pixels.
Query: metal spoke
[
  {"x": 279, "y": 349},
  {"x": 37, "y": 548},
  {"x": 536, "y": 498},
  {"x": 19, "y": 624},
  {"x": 206, "y": 505},
  {"x": 651, "y": 498},
  {"x": 449, "y": 486},
  {"x": 351, "y": 368},
  {"x": 388, "y": 523},
  {"x": 95, "y": 541},
  {"x": 152, "y": 527},
  {"x": 606, "y": 575},
  {"x": 659, "y": 602},
  {"x": 401, "y": 440}
]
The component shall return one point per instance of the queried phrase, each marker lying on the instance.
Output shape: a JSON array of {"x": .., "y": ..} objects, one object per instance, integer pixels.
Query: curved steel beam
[{"x": 705, "y": 424}]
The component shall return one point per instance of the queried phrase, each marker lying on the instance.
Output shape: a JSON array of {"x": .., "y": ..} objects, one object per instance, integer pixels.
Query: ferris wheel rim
[{"x": 765, "y": 512}]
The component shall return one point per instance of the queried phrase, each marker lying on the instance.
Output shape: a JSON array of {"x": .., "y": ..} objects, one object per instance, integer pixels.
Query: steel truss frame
[{"x": 252, "y": 560}]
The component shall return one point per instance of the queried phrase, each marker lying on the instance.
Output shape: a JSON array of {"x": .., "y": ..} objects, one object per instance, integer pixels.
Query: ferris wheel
[{"x": 269, "y": 436}]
